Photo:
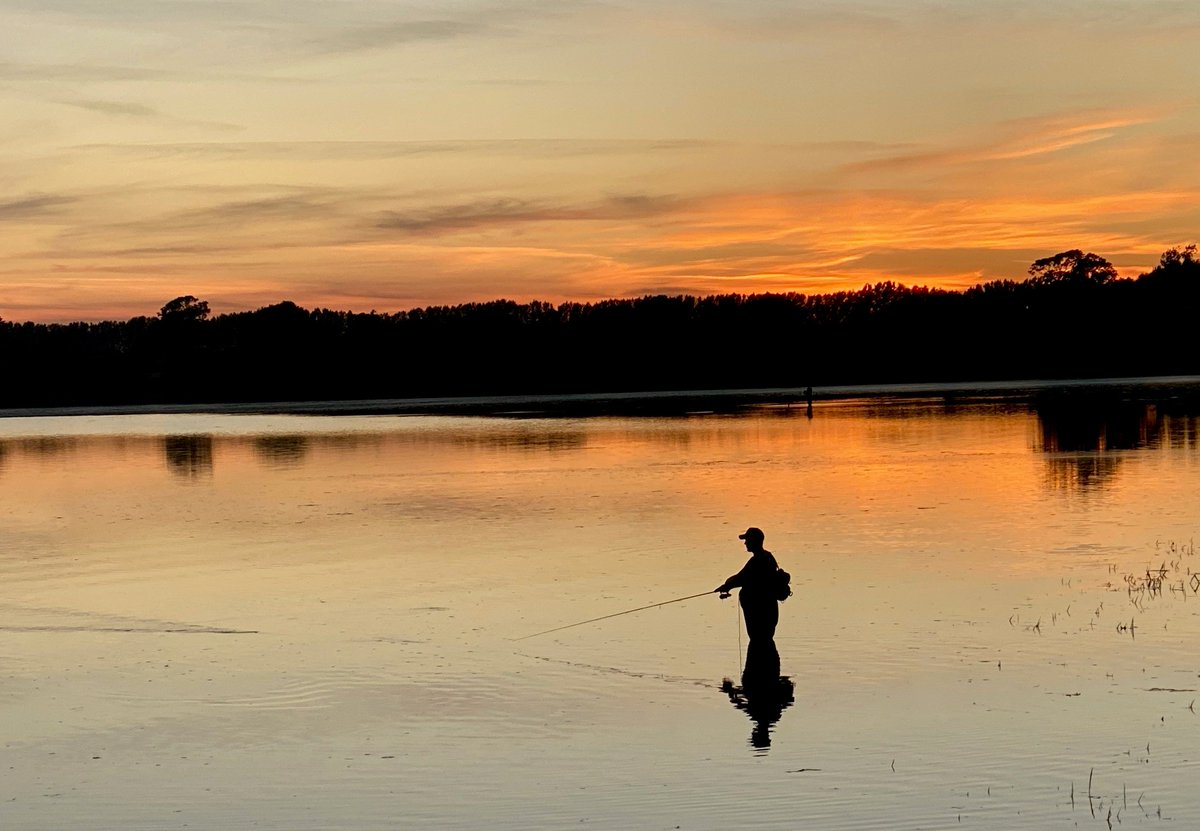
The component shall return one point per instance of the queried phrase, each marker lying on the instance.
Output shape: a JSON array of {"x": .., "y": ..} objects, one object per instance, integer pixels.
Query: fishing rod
[{"x": 615, "y": 614}]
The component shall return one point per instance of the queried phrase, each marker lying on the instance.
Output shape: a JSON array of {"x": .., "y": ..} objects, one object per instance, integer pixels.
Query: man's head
[{"x": 754, "y": 538}]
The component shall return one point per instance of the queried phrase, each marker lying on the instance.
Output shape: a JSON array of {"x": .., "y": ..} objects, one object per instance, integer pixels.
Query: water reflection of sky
[
  {"x": 1083, "y": 442},
  {"x": 954, "y": 626}
]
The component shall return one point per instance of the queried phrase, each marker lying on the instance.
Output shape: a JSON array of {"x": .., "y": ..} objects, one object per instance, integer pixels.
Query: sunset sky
[{"x": 366, "y": 154}]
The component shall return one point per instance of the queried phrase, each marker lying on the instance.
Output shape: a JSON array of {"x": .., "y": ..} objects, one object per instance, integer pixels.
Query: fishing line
[
  {"x": 739, "y": 630},
  {"x": 614, "y": 614}
]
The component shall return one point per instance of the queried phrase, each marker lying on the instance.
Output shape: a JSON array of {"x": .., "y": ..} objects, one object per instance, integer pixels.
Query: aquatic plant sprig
[{"x": 1172, "y": 575}]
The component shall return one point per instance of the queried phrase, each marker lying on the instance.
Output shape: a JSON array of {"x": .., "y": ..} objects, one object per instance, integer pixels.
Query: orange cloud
[
  {"x": 1111, "y": 181},
  {"x": 1018, "y": 139}
]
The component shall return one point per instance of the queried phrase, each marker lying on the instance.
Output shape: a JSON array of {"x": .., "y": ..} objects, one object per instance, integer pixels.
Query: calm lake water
[{"x": 304, "y": 622}]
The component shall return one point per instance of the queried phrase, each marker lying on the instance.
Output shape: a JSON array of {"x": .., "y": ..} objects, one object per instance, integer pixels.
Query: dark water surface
[{"x": 302, "y": 622}]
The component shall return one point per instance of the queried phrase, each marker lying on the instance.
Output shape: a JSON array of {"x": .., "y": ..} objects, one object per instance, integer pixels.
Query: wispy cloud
[
  {"x": 190, "y": 13},
  {"x": 266, "y": 150},
  {"x": 778, "y": 21},
  {"x": 118, "y": 108},
  {"x": 221, "y": 221},
  {"x": 1019, "y": 139},
  {"x": 402, "y": 33},
  {"x": 849, "y": 223},
  {"x": 32, "y": 207},
  {"x": 91, "y": 74},
  {"x": 511, "y": 212},
  {"x": 392, "y": 26},
  {"x": 11, "y": 71},
  {"x": 134, "y": 110},
  {"x": 306, "y": 203},
  {"x": 819, "y": 18}
]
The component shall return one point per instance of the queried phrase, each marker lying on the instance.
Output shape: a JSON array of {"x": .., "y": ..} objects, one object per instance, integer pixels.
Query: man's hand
[{"x": 723, "y": 594}]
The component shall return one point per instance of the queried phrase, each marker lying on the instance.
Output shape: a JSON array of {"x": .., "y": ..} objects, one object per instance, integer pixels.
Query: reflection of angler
[{"x": 763, "y": 694}]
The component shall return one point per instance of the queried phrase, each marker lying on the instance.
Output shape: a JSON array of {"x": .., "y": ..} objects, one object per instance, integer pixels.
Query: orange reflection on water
[
  {"x": 859, "y": 479},
  {"x": 380, "y": 571}
]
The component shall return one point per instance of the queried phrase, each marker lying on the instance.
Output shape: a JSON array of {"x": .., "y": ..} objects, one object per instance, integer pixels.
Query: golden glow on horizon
[{"x": 810, "y": 243}]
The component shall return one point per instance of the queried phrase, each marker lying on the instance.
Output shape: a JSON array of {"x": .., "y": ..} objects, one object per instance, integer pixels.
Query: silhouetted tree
[
  {"x": 1178, "y": 268},
  {"x": 1071, "y": 318},
  {"x": 184, "y": 309},
  {"x": 1072, "y": 267},
  {"x": 1177, "y": 258}
]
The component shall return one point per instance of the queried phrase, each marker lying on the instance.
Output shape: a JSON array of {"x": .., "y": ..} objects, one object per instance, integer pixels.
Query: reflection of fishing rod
[{"x": 614, "y": 614}]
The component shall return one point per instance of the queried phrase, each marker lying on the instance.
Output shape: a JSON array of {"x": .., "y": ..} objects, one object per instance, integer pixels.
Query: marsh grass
[{"x": 1173, "y": 576}]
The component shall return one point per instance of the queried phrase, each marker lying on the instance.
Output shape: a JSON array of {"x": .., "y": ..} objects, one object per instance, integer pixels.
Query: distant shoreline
[
  {"x": 663, "y": 402},
  {"x": 719, "y": 351}
]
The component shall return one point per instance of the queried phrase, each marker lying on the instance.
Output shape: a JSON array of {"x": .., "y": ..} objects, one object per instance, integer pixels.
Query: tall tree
[
  {"x": 1073, "y": 267},
  {"x": 1178, "y": 259},
  {"x": 184, "y": 309}
]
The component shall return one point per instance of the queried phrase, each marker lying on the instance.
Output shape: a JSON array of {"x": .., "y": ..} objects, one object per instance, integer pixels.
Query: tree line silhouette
[{"x": 1072, "y": 318}]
